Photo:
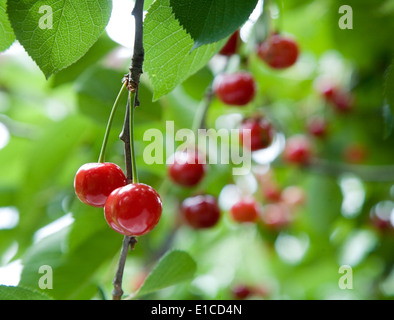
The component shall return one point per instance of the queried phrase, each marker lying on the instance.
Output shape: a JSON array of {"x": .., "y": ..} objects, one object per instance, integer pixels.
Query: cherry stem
[
  {"x": 117, "y": 292},
  {"x": 199, "y": 121},
  {"x": 127, "y": 134},
  {"x": 202, "y": 110},
  {"x": 109, "y": 124},
  {"x": 132, "y": 148}
]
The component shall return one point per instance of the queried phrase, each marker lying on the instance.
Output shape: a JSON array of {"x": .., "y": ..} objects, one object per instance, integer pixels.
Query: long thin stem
[
  {"x": 202, "y": 110},
  {"x": 127, "y": 134},
  {"x": 132, "y": 148},
  {"x": 109, "y": 124}
]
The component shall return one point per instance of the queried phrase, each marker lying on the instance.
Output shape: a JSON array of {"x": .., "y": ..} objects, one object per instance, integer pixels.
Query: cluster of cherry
[
  {"x": 134, "y": 209},
  {"x": 239, "y": 89}
]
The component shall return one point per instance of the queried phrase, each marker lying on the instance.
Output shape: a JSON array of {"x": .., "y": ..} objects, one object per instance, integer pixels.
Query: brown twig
[
  {"x": 133, "y": 80},
  {"x": 365, "y": 172},
  {"x": 117, "y": 292}
]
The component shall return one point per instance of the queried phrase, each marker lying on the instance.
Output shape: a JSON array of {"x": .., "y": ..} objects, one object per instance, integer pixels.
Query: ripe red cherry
[
  {"x": 236, "y": 89},
  {"x": 326, "y": 88},
  {"x": 241, "y": 291},
  {"x": 245, "y": 210},
  {"x": 278, "y": 51},
  {"x": 186, "y": 168},
  {"x": 231, "y": 45},
  {"x": 261, "y": 133},
  {"x": 276, "y": 216},
  {"x": 317, "y": 127},
  {"x": 293, "y": 196},
  {"x": 133, "y": 210},
  {"x": 94, "y": 182},
  {"x": 201, "y": 211},
  {"x": 271, "y": 192},
  {"x": 298, "y": 150},
  {"x": 342, "y": 101}
]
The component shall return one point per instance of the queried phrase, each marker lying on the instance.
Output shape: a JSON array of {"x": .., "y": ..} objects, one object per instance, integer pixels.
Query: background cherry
[
  {"x": 261, "y": 133},
  {"x": 94, "y": 182},
  {"x": 236, "y": 89},
  {"x": 317, "y": 126},
  {"x": 201, "y": 211},
  {"x": 355, "y": 153},
  {"x": 278, "y": 51},
  {"x": 298, "y": 150},
  {"x": 245, "y": 210},
  {"x": 241, "y": 291},
  {"x": 133, "y": 210},
  {"x": 187, "y": 168},
  {"x": 293, "y": 196},
  {"x": 231, "y": 45},
  {"x": 276, "y": 215},
  {"x": 342, "y": 101}
]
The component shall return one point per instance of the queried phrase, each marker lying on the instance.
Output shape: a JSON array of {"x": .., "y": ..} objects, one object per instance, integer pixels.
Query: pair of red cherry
[
  {"x": 187, "y": 169},
  {"x": 239, "y": 89},
  {"x": 131, "y": 209}
]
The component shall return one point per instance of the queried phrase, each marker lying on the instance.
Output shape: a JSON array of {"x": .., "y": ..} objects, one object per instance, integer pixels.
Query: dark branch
[
  {"x": 364, "y": 172},
  {"x": 133, "y": 80},
  {"x": 117, "y": 292},
  {"x": 138, "y": 53}
]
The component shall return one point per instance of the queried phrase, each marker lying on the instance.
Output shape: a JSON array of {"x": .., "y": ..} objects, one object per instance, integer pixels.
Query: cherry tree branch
[
  {"x": 132, "y": 80},
  {"x": 365, "y": 172}
]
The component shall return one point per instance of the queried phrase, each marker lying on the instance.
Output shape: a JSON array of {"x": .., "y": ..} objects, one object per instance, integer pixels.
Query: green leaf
[
  {"x": 57, "y": 33},
  {"x": 209, "y": 21},
  {"x": 97, "y": 52},
  {"x": 168, "y": 57},
  {"x": 389, "y": 107},
  {"x": 7, "y": 35},
  {"x": 176, "y": 266},
  {"x": 19, "y": 293}
]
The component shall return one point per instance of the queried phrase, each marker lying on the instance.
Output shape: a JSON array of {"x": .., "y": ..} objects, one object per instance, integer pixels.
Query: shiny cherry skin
[
  {"x": 133, "y": 210},
  {"x": 231, "y": 45},
  {"x": 261, "y": 133},
  {"x": 298, "y": 150},
  {"x": 237, "y": 89},
  {"x": 186, "y": 168},
  {"x": 278, "y": 51},
  {"x": 201, "y": 211},
  {"x": 245, "y": 210},
  {"x": 94, "y": 182}
]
